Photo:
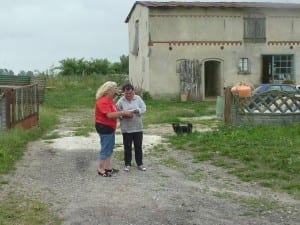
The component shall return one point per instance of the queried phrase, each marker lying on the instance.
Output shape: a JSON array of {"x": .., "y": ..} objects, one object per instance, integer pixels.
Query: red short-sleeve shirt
[{"x": 103, "y": 106}]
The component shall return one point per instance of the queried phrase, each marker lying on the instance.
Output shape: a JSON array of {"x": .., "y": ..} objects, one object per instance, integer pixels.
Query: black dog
[{"x": 180, "y": 129}]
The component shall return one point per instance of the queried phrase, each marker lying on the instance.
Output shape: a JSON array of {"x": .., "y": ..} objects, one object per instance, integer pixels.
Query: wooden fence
[
  {"x": 19, "y": 106},
  {"x": 272, "y": 107},
  {"x": 25, "y": 80}
]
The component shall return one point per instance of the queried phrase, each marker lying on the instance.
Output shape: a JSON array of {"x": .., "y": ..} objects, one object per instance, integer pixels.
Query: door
[{"x": 190, "y": 78}]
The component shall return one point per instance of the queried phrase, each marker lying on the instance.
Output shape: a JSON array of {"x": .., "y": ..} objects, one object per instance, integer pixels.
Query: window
[
  {"x": 244, "y": 66},
  {"x": 255, "y": 29},
  {"x": 135, "y": 48},
  {"x": 282, "y": 67},
  {"x": 278, "y": 68}
]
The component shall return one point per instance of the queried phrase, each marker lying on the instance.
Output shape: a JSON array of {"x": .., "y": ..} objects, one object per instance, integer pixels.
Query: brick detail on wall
[
  {"x": 283, "y": 42},
  {"x": 197, "y": 16},
  {"x": 183, "y": 43}
]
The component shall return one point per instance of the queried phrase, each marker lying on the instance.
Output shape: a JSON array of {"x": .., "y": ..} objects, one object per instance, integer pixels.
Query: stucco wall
[
  {"x": 139, "y": 64},
  {"x": 195, "y": 24}
]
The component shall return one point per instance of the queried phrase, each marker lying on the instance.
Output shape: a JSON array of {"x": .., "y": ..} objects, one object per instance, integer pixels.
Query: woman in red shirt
[{"x": 106, "y": 115}]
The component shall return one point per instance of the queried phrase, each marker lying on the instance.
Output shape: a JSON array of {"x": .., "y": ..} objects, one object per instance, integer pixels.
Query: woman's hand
[{"x": 127, "y": 114}]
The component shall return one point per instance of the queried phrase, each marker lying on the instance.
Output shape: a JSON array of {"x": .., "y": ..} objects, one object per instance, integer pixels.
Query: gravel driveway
[{"x": 174, "y": 190}]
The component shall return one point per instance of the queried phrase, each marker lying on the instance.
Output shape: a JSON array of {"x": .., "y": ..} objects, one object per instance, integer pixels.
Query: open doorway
[{"x": 212, "y": 78}]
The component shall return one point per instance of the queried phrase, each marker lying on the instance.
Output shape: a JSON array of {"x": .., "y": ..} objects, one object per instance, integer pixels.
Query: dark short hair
[{"x": 127, "y": 87}]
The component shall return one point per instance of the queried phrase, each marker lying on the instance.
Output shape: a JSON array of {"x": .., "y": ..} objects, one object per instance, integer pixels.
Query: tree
[
  {"x": 71, "y": 66},
  {"x": 6, "y": 72},
  {"x": 81, "y": 67},
  {"x": 101, "y": 66},
  {"x": 124, "y": 64},
  {"x": 22, "y": 73},
  {"x": 116, "y": 68},
  {"x": 29, "y": 73}
]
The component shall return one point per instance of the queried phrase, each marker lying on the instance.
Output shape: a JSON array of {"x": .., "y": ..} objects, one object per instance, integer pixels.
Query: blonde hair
[{"x": 104, "y": 88}]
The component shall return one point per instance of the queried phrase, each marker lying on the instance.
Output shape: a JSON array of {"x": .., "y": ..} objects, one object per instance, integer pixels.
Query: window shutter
[
  {"x": 135, "y": 48},
  {"x": 260, "y": 30},
  {"x": 254, "y": 29}
]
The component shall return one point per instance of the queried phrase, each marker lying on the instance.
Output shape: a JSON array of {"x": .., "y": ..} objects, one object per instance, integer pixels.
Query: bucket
[
  {"x": 184, "y": 97},
  {"x": 220, "y": 106},
  {"x": 242, "y": 89}
]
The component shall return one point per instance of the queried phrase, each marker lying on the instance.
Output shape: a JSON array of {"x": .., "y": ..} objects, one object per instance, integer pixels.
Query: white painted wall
[{"x": 139, "y": 65}]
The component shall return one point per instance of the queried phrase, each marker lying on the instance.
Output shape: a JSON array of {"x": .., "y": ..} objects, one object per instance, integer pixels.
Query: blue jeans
[{"x": 107, "y": 143}]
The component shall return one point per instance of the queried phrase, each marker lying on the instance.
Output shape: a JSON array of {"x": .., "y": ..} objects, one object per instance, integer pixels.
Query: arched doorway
[{"x": 212, "y": 74}]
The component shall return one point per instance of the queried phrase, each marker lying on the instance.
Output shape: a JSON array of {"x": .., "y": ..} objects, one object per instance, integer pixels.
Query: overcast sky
[{"x": 37, "y": 34}]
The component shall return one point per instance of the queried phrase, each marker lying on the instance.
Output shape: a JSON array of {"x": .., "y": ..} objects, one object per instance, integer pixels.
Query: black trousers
[{"x": 136, "y": 139}]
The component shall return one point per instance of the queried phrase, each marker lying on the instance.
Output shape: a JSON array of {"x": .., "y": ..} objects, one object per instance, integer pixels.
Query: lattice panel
[{"x": 269, "y": 102}]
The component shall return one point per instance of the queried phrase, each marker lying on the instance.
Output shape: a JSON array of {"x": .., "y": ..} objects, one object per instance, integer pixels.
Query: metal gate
[
  {"x": 190, "y": 79},
  {"x": 19, "y": 105}
]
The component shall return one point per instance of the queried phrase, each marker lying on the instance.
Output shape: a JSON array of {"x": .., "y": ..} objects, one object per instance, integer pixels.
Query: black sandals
[
  {"x": 112, "y": 170},
  {"x": 105, "y": 174}
]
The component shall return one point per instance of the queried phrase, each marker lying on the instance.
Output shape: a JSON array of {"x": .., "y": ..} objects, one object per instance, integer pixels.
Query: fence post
[
  {"x": 227, "y": 105},
  {"x": 8, "y": 108}
]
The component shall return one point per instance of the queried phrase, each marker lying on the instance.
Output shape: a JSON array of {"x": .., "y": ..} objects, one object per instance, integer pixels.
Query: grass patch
[
  {"x": 72, "y": 92},
  {"x": 119, "y": 155},
  {"x": 195, "y": 175},
  {"x": 255, "y": 206},
  {"x": 269, "y": 155},
  {"x": 223, "y": 195},
  {"x": 164, "y": 111},
  {"x": 172, "y": 162},
  {"x": 23, "y": 211},
  {"x": 52, "y": 135},
  {"x": 12, "y": 146},
  {"x": 261, "y": 204},
  {"x": 158, "y": 151},
  {"x": 84, "y": 126},
  {"x": 14, "y": 141},
  {"x": 3, "y": 181}
]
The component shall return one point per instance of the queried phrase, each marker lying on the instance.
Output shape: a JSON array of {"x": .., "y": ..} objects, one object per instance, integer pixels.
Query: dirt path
[{"x": 174, "y": 190}]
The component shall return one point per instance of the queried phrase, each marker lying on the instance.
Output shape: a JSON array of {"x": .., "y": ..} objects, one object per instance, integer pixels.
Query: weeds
[
  {"x": 269, "y": 155},
  {"x": 20, "y": 210}
]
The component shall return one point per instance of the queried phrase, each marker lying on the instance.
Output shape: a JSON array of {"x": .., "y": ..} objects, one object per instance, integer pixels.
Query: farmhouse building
[{"x": 198, "y": 48}]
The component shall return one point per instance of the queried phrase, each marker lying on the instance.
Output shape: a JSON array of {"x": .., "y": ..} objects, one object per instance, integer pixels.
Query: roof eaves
[{"x": 173, "y": 4}]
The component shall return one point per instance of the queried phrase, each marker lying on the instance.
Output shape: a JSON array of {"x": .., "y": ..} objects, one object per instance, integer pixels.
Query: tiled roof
[
  {"x": 173, "y": 4},
  {"x": 218, "y": 4}
]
